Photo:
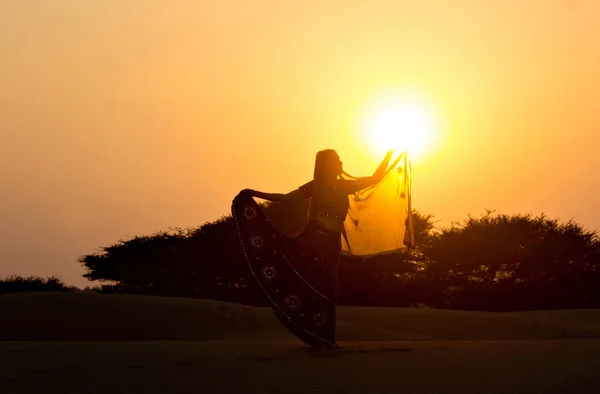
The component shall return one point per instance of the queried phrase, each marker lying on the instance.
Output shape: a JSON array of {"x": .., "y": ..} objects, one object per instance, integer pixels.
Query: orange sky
[{"x": 125, "y": 117}]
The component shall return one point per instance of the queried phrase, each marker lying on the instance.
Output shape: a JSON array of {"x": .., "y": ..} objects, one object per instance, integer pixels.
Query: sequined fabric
[{"x": 297, "y": 275}]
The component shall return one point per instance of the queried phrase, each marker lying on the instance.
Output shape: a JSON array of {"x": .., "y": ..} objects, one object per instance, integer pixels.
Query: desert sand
[{"x": 91, "y": 343}]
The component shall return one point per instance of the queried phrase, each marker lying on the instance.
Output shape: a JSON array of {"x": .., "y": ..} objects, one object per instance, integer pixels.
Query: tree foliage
[
  {"x": 494, "y": 262},
  {"x": 18, "y": 284},
  {"x": 506, "y": 262}
]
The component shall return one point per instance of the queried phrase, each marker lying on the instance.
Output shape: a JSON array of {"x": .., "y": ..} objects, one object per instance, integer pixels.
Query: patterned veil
[{"x": 379, "y": 219}]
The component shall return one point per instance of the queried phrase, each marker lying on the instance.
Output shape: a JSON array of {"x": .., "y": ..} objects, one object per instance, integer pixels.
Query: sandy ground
[
  {"x": 90, "y": 343},
  {"x": 557, "y": 366},
  {"x": 95, "y": 317}
]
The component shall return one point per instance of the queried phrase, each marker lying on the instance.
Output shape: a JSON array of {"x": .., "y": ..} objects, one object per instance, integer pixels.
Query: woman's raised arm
[
  {"x": 362, "y": 183},
  {"x": 380, "y": 171}
]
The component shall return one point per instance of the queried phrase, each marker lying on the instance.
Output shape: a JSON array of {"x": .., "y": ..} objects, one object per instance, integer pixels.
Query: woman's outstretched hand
[
  {"x": 388, "y": 156},
  {"x": 384, "y": 165}
]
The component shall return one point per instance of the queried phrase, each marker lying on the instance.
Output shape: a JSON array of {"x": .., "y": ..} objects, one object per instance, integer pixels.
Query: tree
[
  {"x": 511, "y": 262},
  {"x": 17, "y": 284},
  {"x": 495, "y": 262},
  {"x": 142, "y": 264}
]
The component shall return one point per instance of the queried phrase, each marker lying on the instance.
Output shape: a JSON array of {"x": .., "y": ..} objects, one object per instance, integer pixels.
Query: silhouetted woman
[{"x": 298, "y": 274}]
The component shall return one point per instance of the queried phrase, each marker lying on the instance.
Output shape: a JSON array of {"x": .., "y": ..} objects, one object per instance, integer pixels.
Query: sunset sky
[{"x": 125, "y": 117}]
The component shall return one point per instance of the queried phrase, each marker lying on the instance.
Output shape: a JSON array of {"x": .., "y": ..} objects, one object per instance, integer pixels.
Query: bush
[
  {"x": 17, "y": 284},
  {"x": 504, "y": 262}
]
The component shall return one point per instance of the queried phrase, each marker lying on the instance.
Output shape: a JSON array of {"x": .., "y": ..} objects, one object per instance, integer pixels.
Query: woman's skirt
[{"x": 297, "y": 274}]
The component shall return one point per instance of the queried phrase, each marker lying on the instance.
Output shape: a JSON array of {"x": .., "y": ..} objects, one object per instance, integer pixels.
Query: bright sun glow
[{"x": 400, "y": 125}]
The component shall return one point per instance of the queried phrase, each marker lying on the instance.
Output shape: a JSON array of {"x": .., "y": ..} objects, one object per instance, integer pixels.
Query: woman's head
[{"x": 327, "y": 165}]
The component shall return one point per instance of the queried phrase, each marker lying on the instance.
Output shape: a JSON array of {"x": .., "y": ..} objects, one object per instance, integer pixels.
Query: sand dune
[
  {"x": 90, "y": 343},
  {"x": 90, "y": 316}
]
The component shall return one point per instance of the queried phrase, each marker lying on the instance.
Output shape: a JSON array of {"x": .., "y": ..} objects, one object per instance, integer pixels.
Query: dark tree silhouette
[
  {"x": 502, "y": 262},
  {"x": 495, "y": 262},
  {"x": 17, "y": 284}
]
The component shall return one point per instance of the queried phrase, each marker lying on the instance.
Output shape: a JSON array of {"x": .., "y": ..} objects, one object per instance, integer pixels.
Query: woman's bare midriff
[{"x": 331, "y": 224}]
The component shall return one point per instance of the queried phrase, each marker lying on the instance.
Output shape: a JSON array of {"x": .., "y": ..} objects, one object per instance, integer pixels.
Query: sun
[{"x": 403, "y": 124}]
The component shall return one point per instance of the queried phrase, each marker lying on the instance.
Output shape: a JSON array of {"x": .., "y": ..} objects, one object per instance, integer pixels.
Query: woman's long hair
[
  {"x": 325, "y": 161},
  {"x": 326, "y": 167}
]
